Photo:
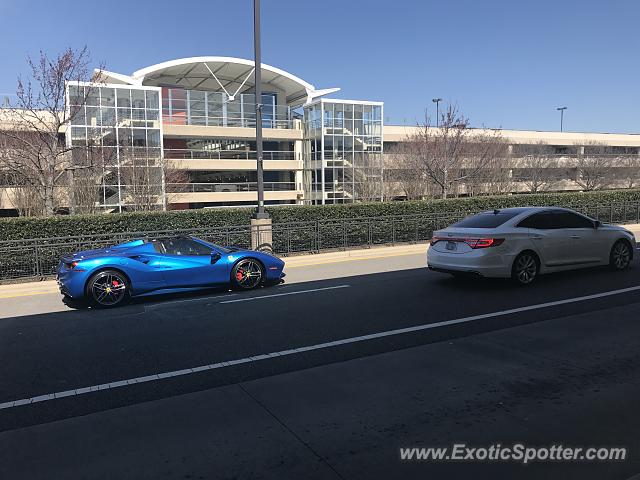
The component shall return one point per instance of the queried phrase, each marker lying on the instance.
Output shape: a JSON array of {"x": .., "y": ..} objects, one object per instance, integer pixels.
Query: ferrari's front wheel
[
  {"x": 108, "y": 288},
  {"x": 247, "y": 274}
]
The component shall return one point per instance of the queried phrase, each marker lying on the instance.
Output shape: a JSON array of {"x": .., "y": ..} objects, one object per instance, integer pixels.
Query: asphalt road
[{"x": 358, "y": 309}]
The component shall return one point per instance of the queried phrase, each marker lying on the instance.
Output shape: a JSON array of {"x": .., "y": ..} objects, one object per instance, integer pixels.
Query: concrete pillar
[{"x": 261, "y": 234}]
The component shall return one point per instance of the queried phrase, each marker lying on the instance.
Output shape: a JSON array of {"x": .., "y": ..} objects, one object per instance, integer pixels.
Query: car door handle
[
  {"x": 536, "y": 237},
  {"x": 575, "y": 236}
]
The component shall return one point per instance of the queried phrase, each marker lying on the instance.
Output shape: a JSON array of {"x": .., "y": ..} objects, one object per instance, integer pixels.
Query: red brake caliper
[
  {"x": 115, "y": 283},
  {"x": 239, "y": 275}
]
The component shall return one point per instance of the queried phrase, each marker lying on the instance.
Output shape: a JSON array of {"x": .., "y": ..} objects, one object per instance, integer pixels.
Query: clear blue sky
[{"x": 506, "y": 63}]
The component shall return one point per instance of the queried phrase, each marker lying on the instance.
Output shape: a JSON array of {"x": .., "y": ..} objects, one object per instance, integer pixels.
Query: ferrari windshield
[{"x": 217, "y": 247}]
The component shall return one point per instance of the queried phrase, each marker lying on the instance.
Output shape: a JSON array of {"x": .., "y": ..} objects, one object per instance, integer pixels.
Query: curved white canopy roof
[{"x": 232, "y": 75}]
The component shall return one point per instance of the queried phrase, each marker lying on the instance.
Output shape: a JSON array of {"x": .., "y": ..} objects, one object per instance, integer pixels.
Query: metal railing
[
  {"x": 246, "y": 120},
  {"x": 228, "y": 187},
  {"x": 39, "y": 257},
  {"x": 187, "y": 154}
]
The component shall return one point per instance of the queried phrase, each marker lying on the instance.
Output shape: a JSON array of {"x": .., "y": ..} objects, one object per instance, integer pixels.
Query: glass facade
[
  {"x": 120, "y": 130},
  {"x": 234, "y": 181},
  {"x": 215, "y": 109},
  {"x": 343, "y": 151}
]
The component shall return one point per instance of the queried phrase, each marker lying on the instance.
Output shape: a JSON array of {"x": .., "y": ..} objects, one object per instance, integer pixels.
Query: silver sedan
[{"x": 522, "y": 243}]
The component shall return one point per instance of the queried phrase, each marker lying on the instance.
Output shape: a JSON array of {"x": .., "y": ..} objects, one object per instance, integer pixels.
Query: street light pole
[
  {"x": 561, "y": 109},
  {"x": 437, "y": 102},
  {"x": 260, "y": 212}
]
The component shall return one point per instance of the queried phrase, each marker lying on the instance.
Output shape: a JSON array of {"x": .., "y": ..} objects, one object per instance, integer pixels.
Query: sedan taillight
[
  {"x": 484, "y": 242},
  {"x": 472, "y": 242},
  {"x": 435, "y": 240}
]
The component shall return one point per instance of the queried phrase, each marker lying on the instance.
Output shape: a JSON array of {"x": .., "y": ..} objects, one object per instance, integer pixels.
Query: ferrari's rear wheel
[
  {"x": 107, "y": 289},
  {"x": 247, "y": 274}
]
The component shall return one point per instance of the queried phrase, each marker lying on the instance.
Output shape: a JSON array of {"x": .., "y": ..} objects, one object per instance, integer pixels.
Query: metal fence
[{"x": 39, "y": 257}]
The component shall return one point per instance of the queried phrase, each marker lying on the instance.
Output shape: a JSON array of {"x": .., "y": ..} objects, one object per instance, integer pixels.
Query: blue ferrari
[{"x": 108, "y": 277}]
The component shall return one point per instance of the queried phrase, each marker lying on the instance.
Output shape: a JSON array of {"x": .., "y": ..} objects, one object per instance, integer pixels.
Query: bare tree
[
  {"x": 141, "y": 176},
  {"x": 368, "y": 186},
  {"x": 537, "y": 167},
  {"x": 35, "y": 152},
  {"x": 536, "y": 175},
  {"x": 24, "y": 200},
  {"x": 405, "y": 170},
  {"x": 631, "y": 167},
  {"x": 86, "y": 176},
  {"x": 488, "y": 160},
  {"x": 148, "y": 180},
  {"x": 594, "y": 167},
  {"x": 454, "y": 154}
]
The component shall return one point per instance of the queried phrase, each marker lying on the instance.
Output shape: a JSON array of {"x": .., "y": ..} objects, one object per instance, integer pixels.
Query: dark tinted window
[
  {"x": 217, "y": 247},
  {"x": 485, "y": 220},
  {"x": 541, "y": 221},
  {"x": 572, "y": 220},
  {"x": 554, "y": 220},
  {"x": 181, "y": 246}
]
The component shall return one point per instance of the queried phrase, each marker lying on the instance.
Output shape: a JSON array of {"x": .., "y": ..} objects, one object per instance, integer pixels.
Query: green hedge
[{"x": 62, "y": 226}]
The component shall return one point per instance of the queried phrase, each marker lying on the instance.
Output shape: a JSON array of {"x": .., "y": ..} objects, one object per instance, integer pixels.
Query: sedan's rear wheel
[
  {"x": 107, "y": 289},
  {"x": 247, "y": 274},
  {"x": 525, "y": 268},
  {"x": 621, "y": 254}
]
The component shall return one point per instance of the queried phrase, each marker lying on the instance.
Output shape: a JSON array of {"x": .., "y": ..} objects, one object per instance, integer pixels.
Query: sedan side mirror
[
  {"x": 596, "y": 224},
  {"x": 215, "y": 256}
]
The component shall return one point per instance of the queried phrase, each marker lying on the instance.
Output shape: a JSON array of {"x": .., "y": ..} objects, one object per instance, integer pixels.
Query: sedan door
[
  {"x": 550, "y": 242},
  {"x": 585, "y": 243}
]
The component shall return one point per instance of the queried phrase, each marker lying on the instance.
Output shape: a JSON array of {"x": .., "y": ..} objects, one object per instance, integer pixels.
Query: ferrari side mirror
[
  {"x": 215, "y": 256},
  {"x": 597, "y": 224}
]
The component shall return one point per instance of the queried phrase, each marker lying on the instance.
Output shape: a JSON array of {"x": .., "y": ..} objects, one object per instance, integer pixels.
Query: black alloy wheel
[
  {"x": 107, "y": 289},
  {"x": 247, "y": 274},
  {"x": 621, "y": 254},
  {"x": 525, "y": 268}
]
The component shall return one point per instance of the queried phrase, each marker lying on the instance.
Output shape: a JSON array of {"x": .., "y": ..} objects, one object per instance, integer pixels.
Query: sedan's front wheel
[
  {"x": 621, "y": 254},
  {"x": 525, "y": 268}
]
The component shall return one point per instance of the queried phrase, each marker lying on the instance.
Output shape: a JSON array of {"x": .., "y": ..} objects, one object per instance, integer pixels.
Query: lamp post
[
  {"x": 260, "y": 212},
  {"x": 561, "y": 109},
  {"x": 437, "y": 102}
]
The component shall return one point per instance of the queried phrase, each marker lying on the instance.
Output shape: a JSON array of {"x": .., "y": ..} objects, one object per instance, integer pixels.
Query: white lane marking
[
  {"x": 297, "y": 292},
  {"x": 318, "y": 346},
  {"x": 245, "y": 299},
  {"x": 160, "y": 303}
]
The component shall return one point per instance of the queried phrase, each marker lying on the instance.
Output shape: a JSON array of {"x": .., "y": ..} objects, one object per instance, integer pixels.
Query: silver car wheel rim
[
  {"x": 248, "y": 274},
  {"x": 621, "y": 256},
  {"x": 526, "y": 269},
  {"x": 108, "y": 289}
]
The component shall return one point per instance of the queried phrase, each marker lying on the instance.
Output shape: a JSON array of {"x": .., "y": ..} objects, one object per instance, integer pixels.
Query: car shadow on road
[
  {"x": 163, "y": 298},
  {"x": 559, "y": 279}
]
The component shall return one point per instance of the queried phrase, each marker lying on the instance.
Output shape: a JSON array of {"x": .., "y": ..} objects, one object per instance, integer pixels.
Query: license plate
[{"x": 452, "y": 246}]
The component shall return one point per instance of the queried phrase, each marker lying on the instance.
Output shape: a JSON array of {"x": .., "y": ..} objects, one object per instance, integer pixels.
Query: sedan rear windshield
[{"x": 485, "y": 220}]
